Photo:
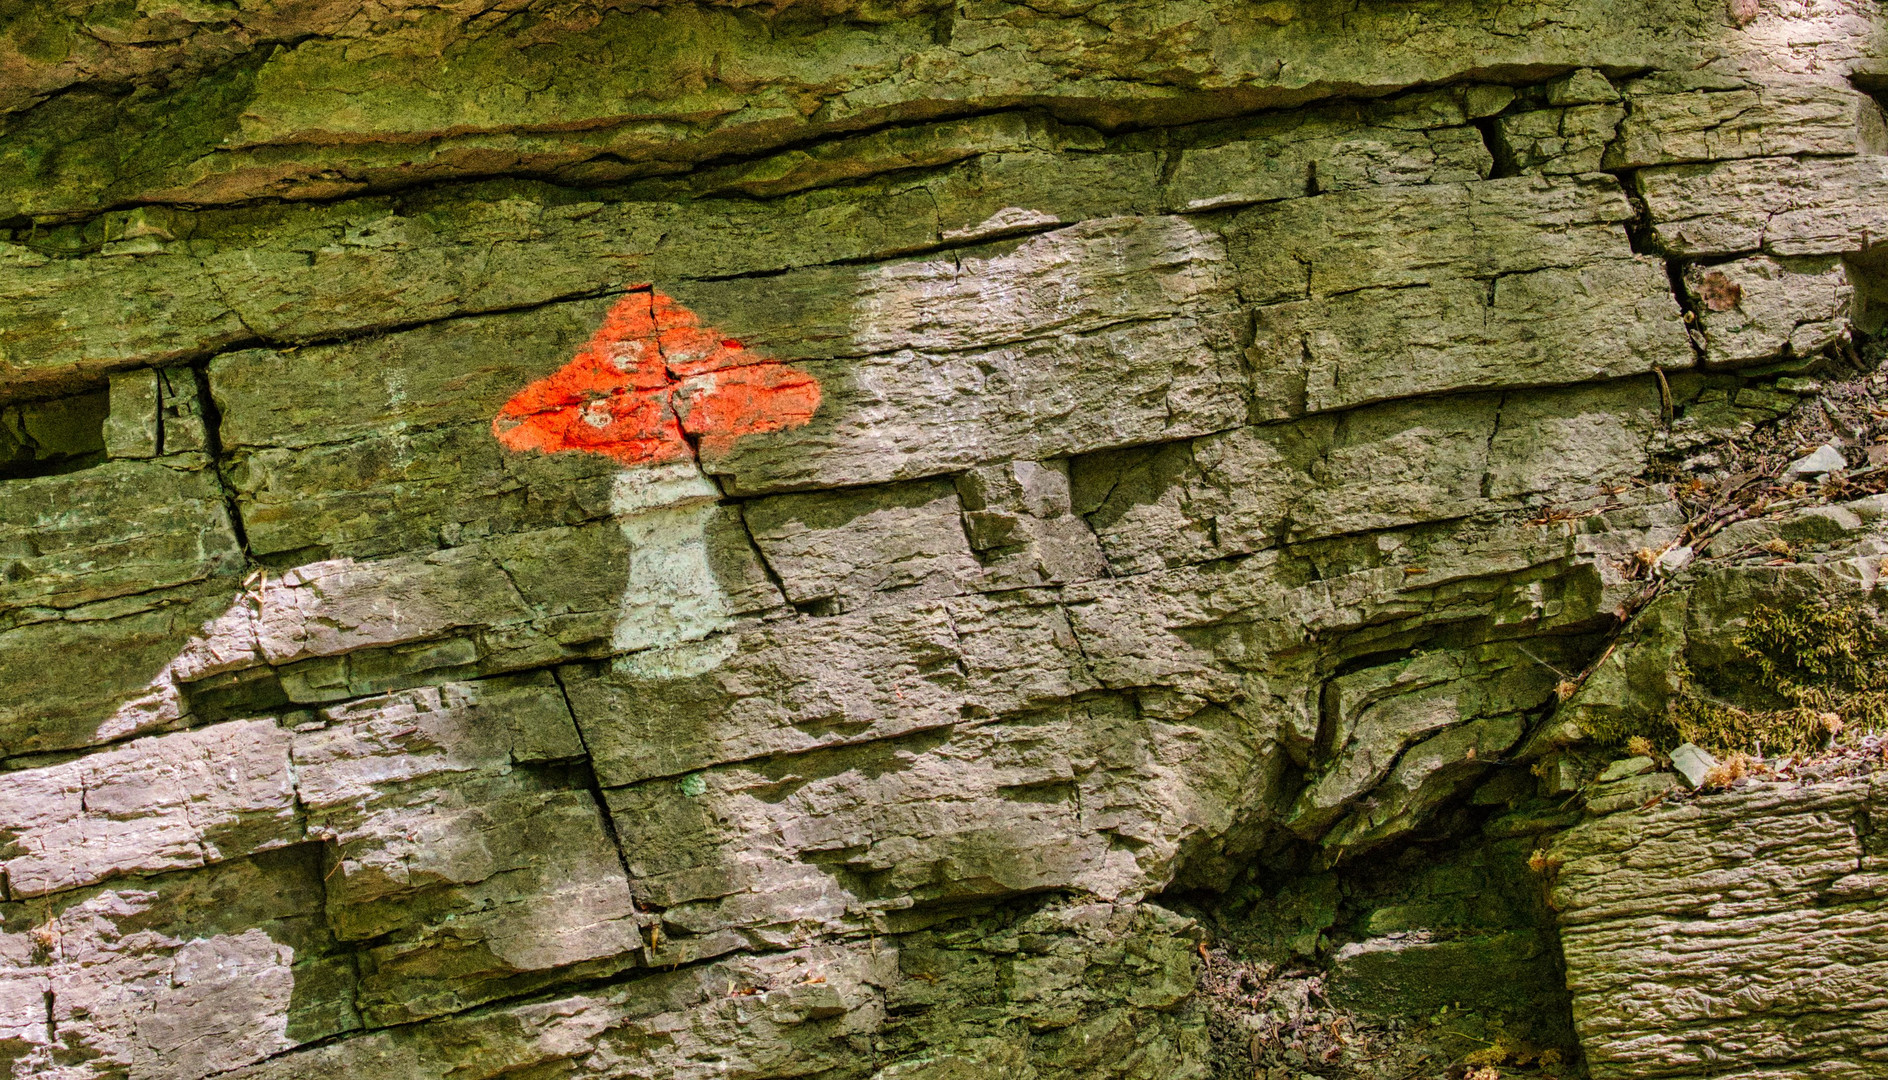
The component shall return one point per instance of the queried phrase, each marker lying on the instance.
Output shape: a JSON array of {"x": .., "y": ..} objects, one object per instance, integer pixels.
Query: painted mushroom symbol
[{"x": 650, "y": 385}]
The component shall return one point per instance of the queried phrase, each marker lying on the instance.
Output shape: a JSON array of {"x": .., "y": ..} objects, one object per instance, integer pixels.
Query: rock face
[
  {"x": 1243, "y": 477},
  {"x": 1747, "y": 931}
]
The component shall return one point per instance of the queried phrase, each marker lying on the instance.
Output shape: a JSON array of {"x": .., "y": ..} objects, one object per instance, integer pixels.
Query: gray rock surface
[
  {"x": 1824, "y": 460},
  {"x": 1761, "y": 308},
  {"x": 1626, "y": 767},
  {"x": 1741, "y": 928},
  {"x": 1244, "y": 495},
  {"x": 1692, "y": 764}
]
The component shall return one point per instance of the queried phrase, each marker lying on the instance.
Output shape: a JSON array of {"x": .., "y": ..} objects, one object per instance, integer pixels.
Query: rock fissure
[{"x": 1283, "y": 485}]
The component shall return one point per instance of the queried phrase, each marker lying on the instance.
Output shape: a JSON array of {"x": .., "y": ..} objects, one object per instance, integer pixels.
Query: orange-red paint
[{"x": 647, "y": 380}]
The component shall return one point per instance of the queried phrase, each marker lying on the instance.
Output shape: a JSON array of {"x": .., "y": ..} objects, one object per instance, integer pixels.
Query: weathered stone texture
[
  {"x": 184, "y": 976},
  {"x": 121, "y": 528},
  {"x": 1379, "y": 294},
  {"x": 438, "y": 840},
  {"x": 1382, "y": 467},
  {"x": 1240, "y": 428},
  {"x": 987, "y": 356},
  {"x": 1761, "y": 308},
  {"x": 796, "y": 685},
  {"x": 1074, "y": 974},
  {"x": 926, "y": 819},
  {"x": 105, "y": 671},
  {"x": 1779, "y": 206},
  {"x": 1408, "y": 724},
  {"x": 516, "y": 96},
  {"x": 172, "y": 801},
  {"x": 1743, "y": 931},
  {"x": 1422, "y": 139},
  {"x": 841, "y": 549}
]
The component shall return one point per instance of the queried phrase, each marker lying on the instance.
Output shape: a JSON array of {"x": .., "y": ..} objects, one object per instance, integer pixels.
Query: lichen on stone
[{"x": 925, "y": 540}]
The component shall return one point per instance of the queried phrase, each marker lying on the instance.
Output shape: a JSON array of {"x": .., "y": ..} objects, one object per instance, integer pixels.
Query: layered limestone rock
[
  {"x": 1251, "y": 489},
  {"x": 1741, "y": 934}
]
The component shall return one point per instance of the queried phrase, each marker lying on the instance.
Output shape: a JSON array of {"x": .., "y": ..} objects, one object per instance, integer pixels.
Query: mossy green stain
[{"x": 35, "y": 32}]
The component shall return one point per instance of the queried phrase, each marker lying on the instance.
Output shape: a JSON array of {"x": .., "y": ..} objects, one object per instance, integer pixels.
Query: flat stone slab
[{"x": 1748, "y": 927}]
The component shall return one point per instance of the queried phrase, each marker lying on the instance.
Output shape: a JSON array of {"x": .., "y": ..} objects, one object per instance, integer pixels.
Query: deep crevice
[
  {"x": 585, "y": 770},
  {"x": 1675, "y": 278},
  {"x": 53, "y": 436},
  {"x": 1643, "y": 241},
  {"x": 939, "y": 247},
  {"x": 212, "y": 418},
  {"x": 1499, "y": 152}
]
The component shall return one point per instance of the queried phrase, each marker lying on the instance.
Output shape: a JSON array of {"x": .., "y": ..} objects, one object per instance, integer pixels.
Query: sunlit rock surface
[{"x": 1263, "y": 463}]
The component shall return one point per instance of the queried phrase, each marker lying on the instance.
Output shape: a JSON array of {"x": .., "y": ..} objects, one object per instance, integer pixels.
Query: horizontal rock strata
[
  {"x": 1741, "y": 934},
  {"x": 1238, "y": 425}
]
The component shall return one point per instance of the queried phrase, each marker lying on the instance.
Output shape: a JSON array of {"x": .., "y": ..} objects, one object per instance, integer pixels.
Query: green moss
[
  {"x": 1616, "y": 730},
  {"x": 1724, "y": 728},
  {"x": 1820, "y": 666},
  {"x": 89, "y": 148},
  {"x": 36, "y": 31},
  {"x": 1805, "y": 675},
  {"x": 1814, "y": 647}
]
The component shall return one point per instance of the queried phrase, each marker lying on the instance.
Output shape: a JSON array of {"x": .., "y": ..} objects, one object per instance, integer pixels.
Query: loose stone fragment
[
  {"x": 1692, "y": 764},
  {"x": 1825, "y": 460}
]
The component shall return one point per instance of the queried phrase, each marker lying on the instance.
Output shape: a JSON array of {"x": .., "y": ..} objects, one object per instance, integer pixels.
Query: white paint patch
[
  {"x": 671, "y": 595},
  {"x": 330, "y": 608},
  {"x": 682, "y": 661}
]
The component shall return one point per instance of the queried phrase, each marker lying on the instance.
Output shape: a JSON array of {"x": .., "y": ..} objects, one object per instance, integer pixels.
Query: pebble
[
  {"x": 1674, "y": 560},
  {"x": 1825, "y": 460},
  {"x": 1692, "y": 764}
]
